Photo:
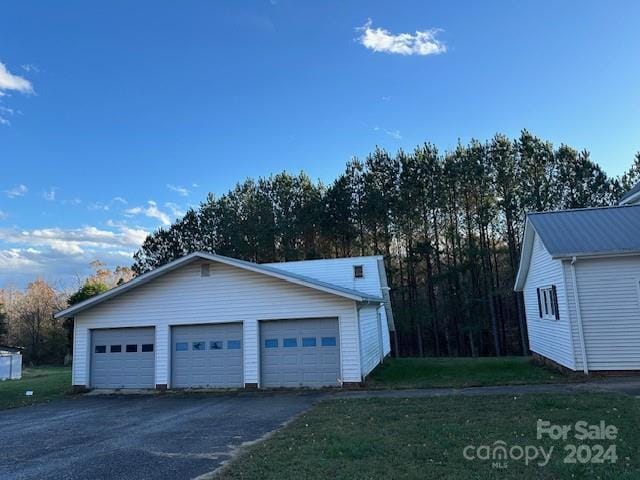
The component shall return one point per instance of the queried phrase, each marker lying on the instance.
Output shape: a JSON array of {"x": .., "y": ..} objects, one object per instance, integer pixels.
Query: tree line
[{"x": 449, "y": 225}]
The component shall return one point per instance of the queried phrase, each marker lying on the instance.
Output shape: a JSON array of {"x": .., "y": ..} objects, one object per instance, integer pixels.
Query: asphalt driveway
[{"x": 155, "y": 437}]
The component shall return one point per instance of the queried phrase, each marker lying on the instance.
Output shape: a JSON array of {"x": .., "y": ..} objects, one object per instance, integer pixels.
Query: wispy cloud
[
  {"x": 50, "y": 195},
  {"x": 120, "y": 200},
  {"x": 176, "y": 210},
  {"x": 19, "y": 191},
  {"x": 98, "y": 206},
  {"x": 180, "y": 190},
  {"x": 423, "y": 42},
  {"x": 395, "y": 134},
  {"x": 29, "y": 67},
  {"x": 3, "y": 215},
  {"x": 151, "y": 211},
  {"x": 10, "y": 82}
]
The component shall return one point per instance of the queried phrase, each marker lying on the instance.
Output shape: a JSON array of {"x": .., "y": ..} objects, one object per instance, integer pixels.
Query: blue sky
[{"x": 116, "y": 116}]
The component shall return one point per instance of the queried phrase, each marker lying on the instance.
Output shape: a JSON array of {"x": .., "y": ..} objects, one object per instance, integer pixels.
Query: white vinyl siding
[
  {"x": 550, "y": 338},
  {"x": 370, "y": 338},
  {"x": 229, "y": 294},
  {"x": 608, "y": 292},
  {"x": 339, "y": 271}
]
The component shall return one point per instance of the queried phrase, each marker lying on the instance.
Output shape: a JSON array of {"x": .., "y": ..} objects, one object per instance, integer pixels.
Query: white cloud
[
  {"x": 29, "y": 67},
  {"x": 175, "y": 209},
  {"x": 64, "y": 254},
  {"x": 423, "y": 42},
  {"x": 3, "y": 215},
  {"x": 179, "y": 190},
  {"x": 151, "y": 211},
  {"x": 50, "y": 195},
  {"x": 395, "y": 134},
  {"x": 71, "y": 201},
  {"x": 19, "y": 191},
  {"x": 98, "y": 206},
  {"x": 119, "y": 200},
  {"x": 10, "y": 82}
]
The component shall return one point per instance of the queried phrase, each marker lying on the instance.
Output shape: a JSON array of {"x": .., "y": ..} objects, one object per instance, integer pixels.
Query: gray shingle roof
[
  {"x": 589, "y": 231},
  {"x": 633, "y": 191}
]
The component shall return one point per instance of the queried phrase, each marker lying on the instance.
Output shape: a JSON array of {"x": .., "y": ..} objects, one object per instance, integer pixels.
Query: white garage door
[
  {"x": 207, "y": 356},
  {"x": 297, "y": 353},
  {"x": 123, "y": 358}
]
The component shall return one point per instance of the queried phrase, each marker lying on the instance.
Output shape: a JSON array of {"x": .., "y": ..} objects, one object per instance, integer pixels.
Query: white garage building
[{"x": 209, "y": 321}]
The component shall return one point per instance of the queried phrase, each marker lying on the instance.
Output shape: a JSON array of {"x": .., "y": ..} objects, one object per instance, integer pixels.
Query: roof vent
[
  {"x": 358, "y": 271},
  {"x": 205, "y": 270}
]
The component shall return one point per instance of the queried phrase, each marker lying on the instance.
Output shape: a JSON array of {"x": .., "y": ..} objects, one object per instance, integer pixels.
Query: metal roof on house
[
  {"x": 631, "y": 194},
  {"x": 589, "y": 231},
  {"x": 254, "y": 267}
]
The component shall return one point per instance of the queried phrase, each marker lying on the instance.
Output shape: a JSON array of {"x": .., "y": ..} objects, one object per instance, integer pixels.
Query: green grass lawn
[
  {"x": 462, "y": 372},
  {"x": 425, "y": 439},
  {"x": 47, "y": 383}
]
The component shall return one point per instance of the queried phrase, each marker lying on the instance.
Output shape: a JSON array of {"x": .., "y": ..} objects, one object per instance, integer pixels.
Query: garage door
[
  {"x": 298, "y": 353},
  {"x": 123, "y": 358},
  {"x": 207, "y": 356}
]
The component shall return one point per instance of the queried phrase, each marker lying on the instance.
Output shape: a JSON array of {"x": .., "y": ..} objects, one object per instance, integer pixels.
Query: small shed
[{"x": 10, "y": 363}]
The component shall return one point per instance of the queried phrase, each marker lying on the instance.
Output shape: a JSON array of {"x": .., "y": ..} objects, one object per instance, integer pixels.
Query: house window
[
  {"x": 147, "y": 347},
  {"x": 548, "y": 303},
  {"x": 271, "y": 343},
  {"x": 215, "y": 345},
  {"x": 195, "y": 346},
  {"x": 358, "y": 271},
  {"x": 132, "y": 348},
  {"x": 101, "y": 348},
  {"x": 116, "y": 348},
  {"x": 233, "y": 344},
  {"x": 182, "y": 346}
]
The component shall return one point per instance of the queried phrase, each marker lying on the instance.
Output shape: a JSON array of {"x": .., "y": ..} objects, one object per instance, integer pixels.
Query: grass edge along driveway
[
  {"x": 424, "y": 438},
  {"x": 47, "y": 383},
  {"x": 403, "y": 373}
]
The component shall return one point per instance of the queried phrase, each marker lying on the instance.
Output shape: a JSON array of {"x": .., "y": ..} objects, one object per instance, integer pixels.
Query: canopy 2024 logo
[{"x": 499, "y": 453}]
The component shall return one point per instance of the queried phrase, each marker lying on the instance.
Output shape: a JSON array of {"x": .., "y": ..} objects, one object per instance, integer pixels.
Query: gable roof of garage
[{"x": 250, "y": 266}]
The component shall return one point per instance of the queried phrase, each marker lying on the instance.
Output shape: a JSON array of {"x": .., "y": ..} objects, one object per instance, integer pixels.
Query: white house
[
  {"x": 211, "y": 321},
  {"x": 580, "y": 276}
]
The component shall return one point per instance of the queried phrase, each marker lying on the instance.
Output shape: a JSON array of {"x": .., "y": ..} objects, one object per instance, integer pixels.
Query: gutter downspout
[{"x": 585, "y": 367}]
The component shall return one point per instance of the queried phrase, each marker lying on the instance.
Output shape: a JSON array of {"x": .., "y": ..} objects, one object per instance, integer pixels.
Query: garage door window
[
  {"x": 233, "y": 344},
  {"x": 147, "y": 347},
  {"x": 132, "y": 348},
  {"x": 101, "y": 349},
  {"x": 271, "y": 343},
  {"x": 216, "y": 345},
  {"x": 196, "y": 346},
  {"x": 289, "y": 342},
  {"x": 182, "y": 347},
  {"x": 309, "y": 342},
  {"x": 328, "y": 341},
  {"x": 115, "y": 348}
]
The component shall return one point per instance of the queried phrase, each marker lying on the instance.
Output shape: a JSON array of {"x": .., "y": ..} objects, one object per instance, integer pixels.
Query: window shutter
[
  {"x": 555, "y": 301},
  {"x": 539, "y": 304}
]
